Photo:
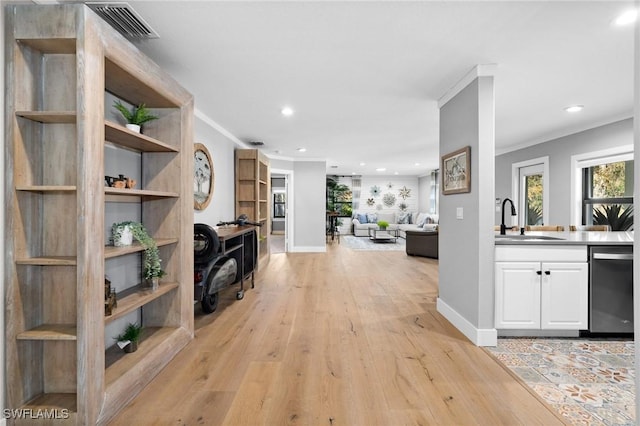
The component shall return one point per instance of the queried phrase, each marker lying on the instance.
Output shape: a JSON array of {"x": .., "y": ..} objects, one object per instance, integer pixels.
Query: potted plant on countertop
[
  {"x": 152, "y": 270},
  {"x": 136, "y": 116},
  {"x": 128, "y": 340},
  {"x": 383, "y": 224}
]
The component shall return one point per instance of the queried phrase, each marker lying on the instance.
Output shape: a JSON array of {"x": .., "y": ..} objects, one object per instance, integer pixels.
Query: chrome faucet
[{"x": 503, "y": 227}]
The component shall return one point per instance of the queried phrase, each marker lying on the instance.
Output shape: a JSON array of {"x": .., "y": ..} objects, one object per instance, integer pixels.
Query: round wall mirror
[{"x": 203, "y": 177}]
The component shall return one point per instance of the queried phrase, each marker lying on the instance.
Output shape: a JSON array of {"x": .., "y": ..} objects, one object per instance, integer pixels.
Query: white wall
[
  {"x": 309, "y": 206},
  {"x": 221, "y": 148},
  {"x": 466, "y": 245}
]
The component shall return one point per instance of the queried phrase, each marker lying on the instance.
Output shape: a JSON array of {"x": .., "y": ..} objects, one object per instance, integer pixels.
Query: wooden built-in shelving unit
[
  {"x": 253, "y": 189},
  {"x": 63, "y": 62}
]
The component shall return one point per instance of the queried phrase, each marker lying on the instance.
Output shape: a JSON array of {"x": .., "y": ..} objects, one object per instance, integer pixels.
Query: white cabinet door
[
  {"x": 517, "y": 295},
  {"x": 564, "y": 293}
]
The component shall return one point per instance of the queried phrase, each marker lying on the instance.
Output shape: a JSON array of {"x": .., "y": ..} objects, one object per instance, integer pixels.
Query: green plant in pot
[
  {"x": 383, "y": 224},
  {"x": 152, "y": 270},
  {"x": 132, "y": 335},
  {"x": 136, "y": 116}
]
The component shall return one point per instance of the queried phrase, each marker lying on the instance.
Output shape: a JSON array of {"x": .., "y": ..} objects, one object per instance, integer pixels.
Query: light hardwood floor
[{"x": 340, "y": 338}]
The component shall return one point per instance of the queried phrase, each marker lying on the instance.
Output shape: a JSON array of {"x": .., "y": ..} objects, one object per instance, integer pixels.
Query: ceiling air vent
[
  {"x": 256, "y": 143},
  {"x": 123, "y": 18}
]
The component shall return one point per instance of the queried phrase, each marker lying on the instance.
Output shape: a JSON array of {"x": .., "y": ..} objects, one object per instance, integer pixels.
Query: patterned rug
[
  {"x": 590, "y": 382},
  {"x": 364, "y": 243}
]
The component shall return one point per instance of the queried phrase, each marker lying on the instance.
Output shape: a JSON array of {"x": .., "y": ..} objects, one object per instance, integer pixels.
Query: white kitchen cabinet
[
  {"x": 564, "y": 296},
  {"x": 541, "y": 293}
]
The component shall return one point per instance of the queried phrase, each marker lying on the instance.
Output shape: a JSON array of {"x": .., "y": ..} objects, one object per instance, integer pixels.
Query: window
[
  {"x": 529, "y": 190},
  {"x": 607, "y": 195}
]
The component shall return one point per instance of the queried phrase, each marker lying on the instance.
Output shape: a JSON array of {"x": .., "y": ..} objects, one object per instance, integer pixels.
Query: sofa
[
  {"x": 422, "y": 243},
  {"x": 403, "y": 221}
]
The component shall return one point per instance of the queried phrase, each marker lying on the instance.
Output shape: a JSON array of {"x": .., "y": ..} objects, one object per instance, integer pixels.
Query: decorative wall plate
[
  {"x": 203, "y": 177},
  {"x": 389, "y": 199}
]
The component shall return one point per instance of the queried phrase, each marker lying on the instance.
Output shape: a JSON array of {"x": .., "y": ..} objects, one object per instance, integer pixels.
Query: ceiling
[{"x": 364, "y": 78}]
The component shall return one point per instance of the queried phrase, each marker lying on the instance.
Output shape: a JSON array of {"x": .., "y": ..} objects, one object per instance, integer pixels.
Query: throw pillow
[
  {"x": 421, "y": 219},
  {"x": 372, "y": 218},
  {"x": 404, "y": 217},
  {"x": 362, "y": 218}
]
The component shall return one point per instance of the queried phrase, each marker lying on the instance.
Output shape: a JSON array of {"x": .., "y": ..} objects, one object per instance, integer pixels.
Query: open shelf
[
  {"x": 67, "y": 117},
  {"x": 134, "y": 297},
  {"x": 46, "y": 188},
  {"x": 115, "y": 193},
  {"x": 48, "y": 261},
  {"x": 49, "y": 332},
  {"x": 113, "y": 251},
  {"x": 50, "y": 45},
  {"x": 124, "y": 137}
]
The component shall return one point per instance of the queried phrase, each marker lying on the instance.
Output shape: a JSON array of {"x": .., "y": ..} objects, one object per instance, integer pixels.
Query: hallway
[{"x": 338, "y": 338}]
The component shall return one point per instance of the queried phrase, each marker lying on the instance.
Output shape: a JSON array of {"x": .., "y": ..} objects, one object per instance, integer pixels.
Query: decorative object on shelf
[
  {"x": 456, "y": 171},
  {"x": 383, "y": 224},
  {"x": 110, "y": 302},
  {"x": 136, "y": 117},
  {"x": 375, "y": 191},
  {"x": 122, "y": 234},
  {"x": 388, "y": 199},
  {"x": 203, "y": 177},
  {"x": 402, "y": 206},
  {"x": 404, "y": 192},
  {"x": 152, "y": 259},
  {"x": 129, "y": 339},
  {"x": 371, "y": 202},
  {"x": 120, "y": 182}
]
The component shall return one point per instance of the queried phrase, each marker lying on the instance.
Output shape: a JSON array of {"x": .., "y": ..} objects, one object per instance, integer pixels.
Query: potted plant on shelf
[
  {"x": 152, "y": 270},
  {"x": 128, "y": 340},
  {"x": 136, "y": 116},
  {"x": 382, "y": 224}
]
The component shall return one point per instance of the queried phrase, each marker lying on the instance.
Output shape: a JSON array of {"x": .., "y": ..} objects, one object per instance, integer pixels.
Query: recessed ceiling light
[
  {"x": 626, "y": 18},
  {"x": 395, "y": 173},
  {"x": 574, "y": 108},
  {"x": 302, "y": 149},
  {"x": 416, "y": 164},
  {"x": 363, "y": 164},
  {"x": 353, "y": 173},
  {"x": 380, "y": 169},
  {"x": 286, "y": 111}
]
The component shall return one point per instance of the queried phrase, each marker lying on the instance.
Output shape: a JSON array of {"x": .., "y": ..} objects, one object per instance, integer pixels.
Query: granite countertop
[{"x": 565, "y": 238}]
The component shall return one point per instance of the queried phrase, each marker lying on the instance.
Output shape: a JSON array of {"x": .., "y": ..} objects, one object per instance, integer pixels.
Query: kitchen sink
[{"x": 527, "y": 237}]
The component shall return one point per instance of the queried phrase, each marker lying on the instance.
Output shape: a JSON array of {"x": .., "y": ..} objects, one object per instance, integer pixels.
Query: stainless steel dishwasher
[{"x": 611, "y": 289}]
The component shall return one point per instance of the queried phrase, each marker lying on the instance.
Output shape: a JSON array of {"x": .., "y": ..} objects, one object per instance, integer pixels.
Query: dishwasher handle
[{"x": 613, "y": 256}]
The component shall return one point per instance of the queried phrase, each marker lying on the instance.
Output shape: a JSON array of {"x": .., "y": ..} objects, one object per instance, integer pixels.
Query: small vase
[
  {"x": 125, "y": 238},
  {"x": 133, "y": 127},
  {"x": 154, "y": 283},
  {"x": 131, "y": 347}
]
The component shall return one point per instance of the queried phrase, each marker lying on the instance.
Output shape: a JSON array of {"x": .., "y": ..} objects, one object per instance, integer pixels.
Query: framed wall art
[
  {"x": 203, "y": 177},
  {"x": 455, "y": 168}
]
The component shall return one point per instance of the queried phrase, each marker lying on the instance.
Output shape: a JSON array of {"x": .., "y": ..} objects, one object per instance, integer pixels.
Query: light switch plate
[{"x": 459, "y": 213}]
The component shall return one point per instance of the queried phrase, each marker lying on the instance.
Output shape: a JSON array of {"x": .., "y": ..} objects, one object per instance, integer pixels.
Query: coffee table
[{"x": 383, "y": 235}]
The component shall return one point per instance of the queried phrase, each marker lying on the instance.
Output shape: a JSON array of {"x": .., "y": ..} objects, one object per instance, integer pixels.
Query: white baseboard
[
  {"x": 308, "y": 249},
  {"x": 479, "y": 336}
]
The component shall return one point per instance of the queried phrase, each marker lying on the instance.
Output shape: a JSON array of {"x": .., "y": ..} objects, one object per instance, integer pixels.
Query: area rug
[
  {"x": 364, "y": 243},
  {"x": 589, "y": 382}
]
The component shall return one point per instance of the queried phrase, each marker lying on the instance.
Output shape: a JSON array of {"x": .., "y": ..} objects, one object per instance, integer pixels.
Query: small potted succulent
[
  {"x": 136, "y": 116},
  {"x": 128, "y": 340},
  {"x": 383, "y": 224}
]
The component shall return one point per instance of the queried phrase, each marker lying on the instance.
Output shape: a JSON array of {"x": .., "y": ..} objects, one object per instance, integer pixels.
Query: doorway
[{"x": 280, "y": 212}]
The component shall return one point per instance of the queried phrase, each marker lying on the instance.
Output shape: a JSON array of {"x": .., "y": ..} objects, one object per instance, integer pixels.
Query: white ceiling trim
[
  {"x": 210, "y": 122},
  {"x": 480, "y": 70}
]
